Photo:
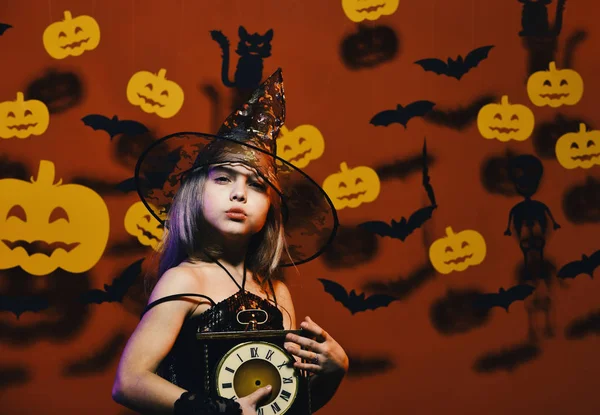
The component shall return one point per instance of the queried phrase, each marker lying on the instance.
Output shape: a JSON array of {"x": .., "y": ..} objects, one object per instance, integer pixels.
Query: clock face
[{"x": 253, "y": 365}]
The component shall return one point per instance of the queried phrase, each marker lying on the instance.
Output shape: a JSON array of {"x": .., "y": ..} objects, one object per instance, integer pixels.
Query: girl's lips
[{"x": 236, "y": 215}]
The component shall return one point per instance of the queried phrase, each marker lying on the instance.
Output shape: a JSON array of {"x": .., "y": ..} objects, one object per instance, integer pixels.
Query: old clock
[{"x": 238, "y": 363}]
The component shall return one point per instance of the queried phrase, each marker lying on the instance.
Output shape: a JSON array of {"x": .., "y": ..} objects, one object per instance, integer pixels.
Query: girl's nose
[{"x": 239, "y": 191}]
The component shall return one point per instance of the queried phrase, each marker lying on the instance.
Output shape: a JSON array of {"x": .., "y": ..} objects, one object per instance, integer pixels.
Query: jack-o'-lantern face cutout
[
  {"x": 301, "y": 145},
  {"x": 555, "y": 87},
  {"x": 352, "y": 187},
  {"x": 580, "y": 149},
  {"x": 46, "y": 225},
  {"x": 359, "y": 10},
  {"x": 457, "y": 251},
  {"x": 72, "y": 36},
  {"x": 22, "y": 118},
  {"x": 140, "y": 223},
  {"x": 155, "y": 94},
  {"x": 505, "y": 121}
]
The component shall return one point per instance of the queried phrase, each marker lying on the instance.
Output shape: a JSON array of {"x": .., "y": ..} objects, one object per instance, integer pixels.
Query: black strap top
[{"x": 184, "y": 365}]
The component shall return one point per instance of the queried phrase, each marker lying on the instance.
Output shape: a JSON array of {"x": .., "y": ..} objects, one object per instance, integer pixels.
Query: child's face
[{"x": 234, "y": 186}]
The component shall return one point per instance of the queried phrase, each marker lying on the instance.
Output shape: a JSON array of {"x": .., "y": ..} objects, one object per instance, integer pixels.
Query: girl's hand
[
  {"x": 249, "y": 403},
  {"x": 324, "y": 355}
]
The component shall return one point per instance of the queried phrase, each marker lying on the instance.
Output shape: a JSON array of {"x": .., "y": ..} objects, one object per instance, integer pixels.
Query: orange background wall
[{"x": 426, "y": 372}]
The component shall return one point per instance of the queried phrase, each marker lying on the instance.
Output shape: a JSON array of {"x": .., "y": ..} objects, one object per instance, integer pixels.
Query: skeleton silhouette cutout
[{"x": 529, "y": 219}]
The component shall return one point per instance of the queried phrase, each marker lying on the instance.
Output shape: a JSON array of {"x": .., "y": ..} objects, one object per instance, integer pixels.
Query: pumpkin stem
[
  {"x": 20, "y": 97},
  {"x": 67, "y": 15},
  {"x": 161, "y": 73},
  {"x": 45, "y": 174},
  {"x": 343, "y": 166},
  {"x": 283, "y": 130},
  {"x": 504, "y": 100},
  {"x": 582, "y": 128},
  {"x": 552, "y": 66},
  {"x": 449, "y": 231}
]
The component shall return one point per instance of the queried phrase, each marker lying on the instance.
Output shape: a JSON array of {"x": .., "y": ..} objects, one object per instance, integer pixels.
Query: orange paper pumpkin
[
  {"x": 555, "y": 87},
  {"x": 457, "y": 251},
  {"x": 72, "y": 36},
  {"x": 141, "y": 224},
  {"x": 352, "y": 187},
  {"x": 22, "y": 118},
  {"x": 505, "y": 121},
  {"x": 359, "y": 10},
  {"x": 301, "y": 145},
  {"x": 155, "y": 94},
  {"x": 46, "y": 225},
  {"x": 580, "y": 149}
]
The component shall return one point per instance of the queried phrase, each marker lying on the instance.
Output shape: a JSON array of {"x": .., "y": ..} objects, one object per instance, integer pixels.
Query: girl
[{"x": 224, "y": 201}]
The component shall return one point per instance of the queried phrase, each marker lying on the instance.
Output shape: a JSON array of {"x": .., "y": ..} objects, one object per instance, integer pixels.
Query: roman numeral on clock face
[
  {"x": 230, "y": 370},
  {"x": 275, "y": 407},
  {"x": 288, "y": 380},
  {"x": 260, "y": 411},
  {"x": 285, "y": 395},
  {"x": 270, "y": 354},
  {"x": 253, "y": 352},
  {"x": 282, "y": 365},
  {"x": 227, "y": 385}
]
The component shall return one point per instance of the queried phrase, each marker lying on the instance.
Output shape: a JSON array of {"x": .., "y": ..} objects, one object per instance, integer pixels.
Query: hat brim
[{"x": 311, "y": 218}]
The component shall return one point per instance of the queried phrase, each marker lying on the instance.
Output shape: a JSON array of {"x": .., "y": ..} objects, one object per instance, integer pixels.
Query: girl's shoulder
[{"x": 180, "y": 279}]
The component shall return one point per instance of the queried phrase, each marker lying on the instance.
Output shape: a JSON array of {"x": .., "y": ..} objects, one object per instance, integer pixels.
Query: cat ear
[
  {"x": 242, "y": 32},
  {"x": 269, "y": 35}
]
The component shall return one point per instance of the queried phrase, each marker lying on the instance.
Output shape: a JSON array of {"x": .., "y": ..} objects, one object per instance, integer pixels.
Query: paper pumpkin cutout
[
  {"x": 352, "y": 187},
  {"x": 555, "y": 87},
  {"x": 141, "y": 224},
  {"x": 72, "y": 36},
  {"x": 22, "y": 118},
  {"x": 46, "y": 225},
  {"x": 580, "y": 149},
  {"x": 301, "y": 145},
  {"x": 505, "y": 121},
  {"x": 457, "y": 251},
  {"x": 359, "y": 10},
  {"x": 155, "y": 94}
]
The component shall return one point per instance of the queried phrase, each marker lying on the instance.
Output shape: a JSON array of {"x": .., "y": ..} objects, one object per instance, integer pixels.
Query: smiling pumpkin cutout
[
  {"x": 155, "y": 94},
  {"x": 46, "y": 225},
  {"x": 457, "y": 251},
  {"x": 555, "y": 87},
  {"x": 352, "y": 187},
  {"x": 301, "y": 145},
  {"x": 23, "y": 118},
  {"x": 505, "y": 121},
  {"x": 580, "y": 149},
  {"x": 141, "y": 224},
  {"x": 359, "y": 10},
  {"x": 72, "y": 36}
]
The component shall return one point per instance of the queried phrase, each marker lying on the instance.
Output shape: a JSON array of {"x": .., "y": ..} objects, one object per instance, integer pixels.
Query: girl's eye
[
  {"x": 258, "y": 185},
  {"x": 222, "y": 179}
]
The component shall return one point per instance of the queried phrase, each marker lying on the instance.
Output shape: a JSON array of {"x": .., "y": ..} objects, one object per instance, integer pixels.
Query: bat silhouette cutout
[
  {"x": 401, "y": 229},
  {"x": 355, "y": 302},
  {"x": 456, "y": 68},
  {"x": 113, "y": 126},
  {"x": 4, "y": 27},
  {"x": 503, "y": 298},
  {"x": 586, "y": 265},
  {"x": 402, "y": 115},
  {"x": 20, "y": 304},
  {"x": 117, "y": 290}
]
